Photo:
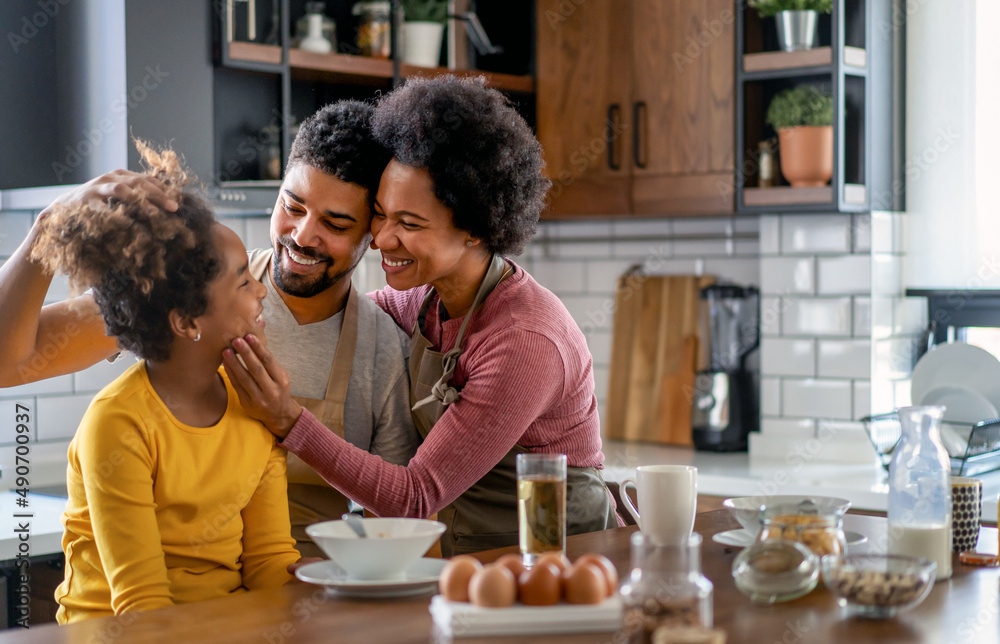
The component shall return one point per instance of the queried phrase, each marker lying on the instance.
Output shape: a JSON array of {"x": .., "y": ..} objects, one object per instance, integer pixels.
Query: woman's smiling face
[{"x": 414, "y": 231}]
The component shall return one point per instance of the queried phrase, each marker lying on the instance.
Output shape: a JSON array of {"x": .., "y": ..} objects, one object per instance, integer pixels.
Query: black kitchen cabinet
[
  {"x": 82, "y": 78},
  {"x": 265, "y": 87},
  {"x": 858, "y": 59}
]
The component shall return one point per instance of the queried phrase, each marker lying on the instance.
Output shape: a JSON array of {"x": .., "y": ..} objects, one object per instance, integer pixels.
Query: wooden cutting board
[{"x": 654, "y": 357}]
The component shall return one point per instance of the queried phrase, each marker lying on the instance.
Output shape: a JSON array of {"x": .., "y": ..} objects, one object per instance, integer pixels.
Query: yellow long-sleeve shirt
[{"x": 160, "y": 512}]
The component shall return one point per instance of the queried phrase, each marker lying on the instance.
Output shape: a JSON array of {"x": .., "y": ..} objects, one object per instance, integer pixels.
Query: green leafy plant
[
  {"x": 802, "y": 105},
  {"x": 425, "y": 10},
  {"x": 767, "y": 8}
]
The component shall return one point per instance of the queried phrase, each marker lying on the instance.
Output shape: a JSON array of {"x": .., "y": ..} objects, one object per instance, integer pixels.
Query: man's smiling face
[{"x": 320, "y": 228}]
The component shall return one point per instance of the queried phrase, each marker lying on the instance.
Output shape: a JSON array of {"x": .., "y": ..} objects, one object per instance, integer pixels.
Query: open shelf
[
  {"x": 768, "y": 61},
  {"x": 786, "y": 195},
  {"x": 252, "y": 52},
  {"x": 503, "y": 82},
  {"x": 366, "y": 70}
]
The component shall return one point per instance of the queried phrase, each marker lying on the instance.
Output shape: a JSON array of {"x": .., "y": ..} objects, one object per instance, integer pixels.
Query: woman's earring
[
  {"x": 198, "y": 337},
  {"x": 468, "y": 243}
]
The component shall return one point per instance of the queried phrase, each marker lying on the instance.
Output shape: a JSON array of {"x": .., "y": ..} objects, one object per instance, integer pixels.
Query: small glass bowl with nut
[
  {"x": 820, "y": 531},
  {"x": 878, "y": 585}
]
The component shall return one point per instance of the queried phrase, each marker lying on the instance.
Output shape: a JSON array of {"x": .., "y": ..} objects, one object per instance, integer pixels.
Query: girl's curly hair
[
  {"x": 141, "y": 261},
  {"x": 485, "y": 162}
]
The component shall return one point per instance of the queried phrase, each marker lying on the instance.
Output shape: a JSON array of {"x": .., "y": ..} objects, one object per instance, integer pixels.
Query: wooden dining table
[{"x": 963, "y": 609}]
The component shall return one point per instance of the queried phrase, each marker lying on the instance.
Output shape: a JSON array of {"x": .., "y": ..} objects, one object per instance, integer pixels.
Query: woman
[
  {"x": 175, "y": 494},
  {"x": 498, "y": 367}
]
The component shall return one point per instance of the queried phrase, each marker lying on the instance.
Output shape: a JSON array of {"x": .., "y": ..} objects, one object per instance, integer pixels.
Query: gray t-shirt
[{"x": 377, "y": 410}]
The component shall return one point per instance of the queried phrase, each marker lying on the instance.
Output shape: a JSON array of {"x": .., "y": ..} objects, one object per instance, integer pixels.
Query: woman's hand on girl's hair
[
  {"x": 117, "y": 185},
  {"x": 262, "y": 385}
]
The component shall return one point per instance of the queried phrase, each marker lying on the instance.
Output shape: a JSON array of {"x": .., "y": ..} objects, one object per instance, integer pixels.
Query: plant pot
[
  {"x": 806, "y": 155},
  {"x": 422, "y": 43},
  {"x": 796, "y": 29}
]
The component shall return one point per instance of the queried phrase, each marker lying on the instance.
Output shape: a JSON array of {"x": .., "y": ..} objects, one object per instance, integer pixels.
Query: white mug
[{"x": 668, "y": 497}]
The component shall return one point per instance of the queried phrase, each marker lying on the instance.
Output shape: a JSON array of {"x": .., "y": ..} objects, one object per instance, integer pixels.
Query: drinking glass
[{"x": 541, "y": 504}]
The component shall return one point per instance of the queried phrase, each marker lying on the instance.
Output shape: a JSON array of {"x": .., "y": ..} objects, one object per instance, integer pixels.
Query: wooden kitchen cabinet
[{"x": 636, "y": 106}]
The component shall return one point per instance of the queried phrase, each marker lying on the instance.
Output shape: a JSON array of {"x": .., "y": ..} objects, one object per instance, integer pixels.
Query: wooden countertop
[{"x": 962, "y": 609}]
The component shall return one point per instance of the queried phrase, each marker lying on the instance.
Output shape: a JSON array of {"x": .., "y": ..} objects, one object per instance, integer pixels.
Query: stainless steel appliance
[{"x": 724, "y": 404}]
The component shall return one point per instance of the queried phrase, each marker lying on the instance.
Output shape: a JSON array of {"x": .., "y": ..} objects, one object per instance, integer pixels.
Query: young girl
[{"x": 175, "y": 494}]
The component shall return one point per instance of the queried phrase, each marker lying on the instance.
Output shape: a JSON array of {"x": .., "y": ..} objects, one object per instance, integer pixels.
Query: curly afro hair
[
  {"x": 485, "y": 162},
  {"x": 141, "y": 261},
  {"x": 338, "y": 141}
]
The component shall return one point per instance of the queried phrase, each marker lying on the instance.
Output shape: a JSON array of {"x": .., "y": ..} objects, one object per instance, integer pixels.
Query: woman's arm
[
  {"x": 268, "y": 546},
  {"x": 499, "y": 402},
  {"x": 117, "y": 470},
  {"x": 36, "y": 342}
]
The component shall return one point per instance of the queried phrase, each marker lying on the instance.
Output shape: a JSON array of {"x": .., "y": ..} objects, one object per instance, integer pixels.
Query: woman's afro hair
[
  {"x": 485, "y": 162},
  {"x": 141, "y": 261}
]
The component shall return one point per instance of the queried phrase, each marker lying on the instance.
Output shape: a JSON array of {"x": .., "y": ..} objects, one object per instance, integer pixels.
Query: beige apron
[
  {"x": 485, "y": 515},
  {"x": 310, "y": 498}
]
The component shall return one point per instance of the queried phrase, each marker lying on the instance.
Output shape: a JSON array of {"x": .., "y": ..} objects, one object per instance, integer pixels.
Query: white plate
[
  {"x": 957, "y": 364},
  {"x": 740, "y": 538},
  {"x": 421, "y": 577},
  {"x": 962, "y": 404}
]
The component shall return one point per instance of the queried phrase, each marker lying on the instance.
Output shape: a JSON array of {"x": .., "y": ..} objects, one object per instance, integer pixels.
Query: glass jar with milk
[{"x": 920, "y": 490}]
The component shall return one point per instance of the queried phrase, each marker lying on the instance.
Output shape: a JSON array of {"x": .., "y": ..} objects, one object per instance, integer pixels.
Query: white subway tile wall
[
  {"x": 788, "y": 275},
  {"x": 817, "y": 326},
  {"x": 788, "y": 356}
]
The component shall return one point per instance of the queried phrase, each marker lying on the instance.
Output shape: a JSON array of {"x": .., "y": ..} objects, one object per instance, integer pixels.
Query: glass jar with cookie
[{"x": 820, "y": 531}]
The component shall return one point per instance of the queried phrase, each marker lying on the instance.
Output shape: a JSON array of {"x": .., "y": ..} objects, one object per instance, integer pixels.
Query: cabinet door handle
[
  {"x": 614, "y": 111},
  {"x": 639, "y": 105}
]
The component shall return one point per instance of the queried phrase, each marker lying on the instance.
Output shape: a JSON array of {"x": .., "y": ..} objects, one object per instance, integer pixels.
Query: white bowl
[
  {"x": 392, "y": 545},
  {"x": 746, "y": 509}
]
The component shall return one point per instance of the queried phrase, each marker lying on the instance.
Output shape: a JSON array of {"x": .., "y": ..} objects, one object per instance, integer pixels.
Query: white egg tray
[{"x": 462, "y": 619}]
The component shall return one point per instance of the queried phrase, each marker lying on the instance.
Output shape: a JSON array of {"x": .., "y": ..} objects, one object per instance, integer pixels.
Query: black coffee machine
[{"x": 724, "y": 404}]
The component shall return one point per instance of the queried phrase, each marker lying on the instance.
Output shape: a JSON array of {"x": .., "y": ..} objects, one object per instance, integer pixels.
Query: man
[{"x": 345, "y": 358}]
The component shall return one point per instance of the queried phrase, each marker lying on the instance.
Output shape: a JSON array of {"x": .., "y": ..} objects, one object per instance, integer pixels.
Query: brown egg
[
  {"x": 585, "y": 583},
  {"x": 541, "y": 585},
  {"x": 512, "y": 562},
  {"x": 558, "y": 558},
  {"x": 493, "y": 586},
  {"x": 454, "y": 580},
  {"x": 610, "y": 572}
]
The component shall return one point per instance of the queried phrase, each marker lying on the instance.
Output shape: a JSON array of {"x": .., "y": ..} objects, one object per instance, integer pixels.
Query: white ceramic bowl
[
  {"x": 746, "y": 509},
  {"x": 392, "y": 546}
]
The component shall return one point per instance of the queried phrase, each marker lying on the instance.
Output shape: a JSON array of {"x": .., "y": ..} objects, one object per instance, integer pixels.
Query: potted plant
[
  {"x": 796, "y": 20},
  {"x": 423, "y": 31},
  {"x": 803, "y": 118}
]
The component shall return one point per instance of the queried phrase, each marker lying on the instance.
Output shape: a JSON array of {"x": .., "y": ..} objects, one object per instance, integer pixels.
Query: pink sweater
[{"x": 526, "y": 378}]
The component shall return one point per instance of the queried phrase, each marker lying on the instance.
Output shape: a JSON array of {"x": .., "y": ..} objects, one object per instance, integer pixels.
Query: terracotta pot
[{"x": 806, "y": 155}]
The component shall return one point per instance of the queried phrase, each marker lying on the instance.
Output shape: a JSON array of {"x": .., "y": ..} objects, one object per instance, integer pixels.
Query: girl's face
[
  {"x": 235, "y": 298},
  {"x": 414, "y": 231}
]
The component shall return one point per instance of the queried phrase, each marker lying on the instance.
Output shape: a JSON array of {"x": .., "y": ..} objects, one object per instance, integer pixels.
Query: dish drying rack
[{"x": 978, "y": 453}]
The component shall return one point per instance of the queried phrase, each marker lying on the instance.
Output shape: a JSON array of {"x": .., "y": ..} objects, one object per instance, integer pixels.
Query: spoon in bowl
[{"x": 354, "y": 521}]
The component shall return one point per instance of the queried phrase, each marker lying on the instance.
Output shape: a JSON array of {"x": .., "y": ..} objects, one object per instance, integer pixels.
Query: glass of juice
[{"x": 541, "y": 504}]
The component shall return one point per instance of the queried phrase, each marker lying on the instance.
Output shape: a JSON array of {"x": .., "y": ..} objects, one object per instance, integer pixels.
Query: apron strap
[
  {"x": 343, "y": 359},
  {"x": 442, "y": 391}
]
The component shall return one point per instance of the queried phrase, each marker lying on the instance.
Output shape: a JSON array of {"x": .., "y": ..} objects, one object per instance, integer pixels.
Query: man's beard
[{"x": 304, "y": 285}]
